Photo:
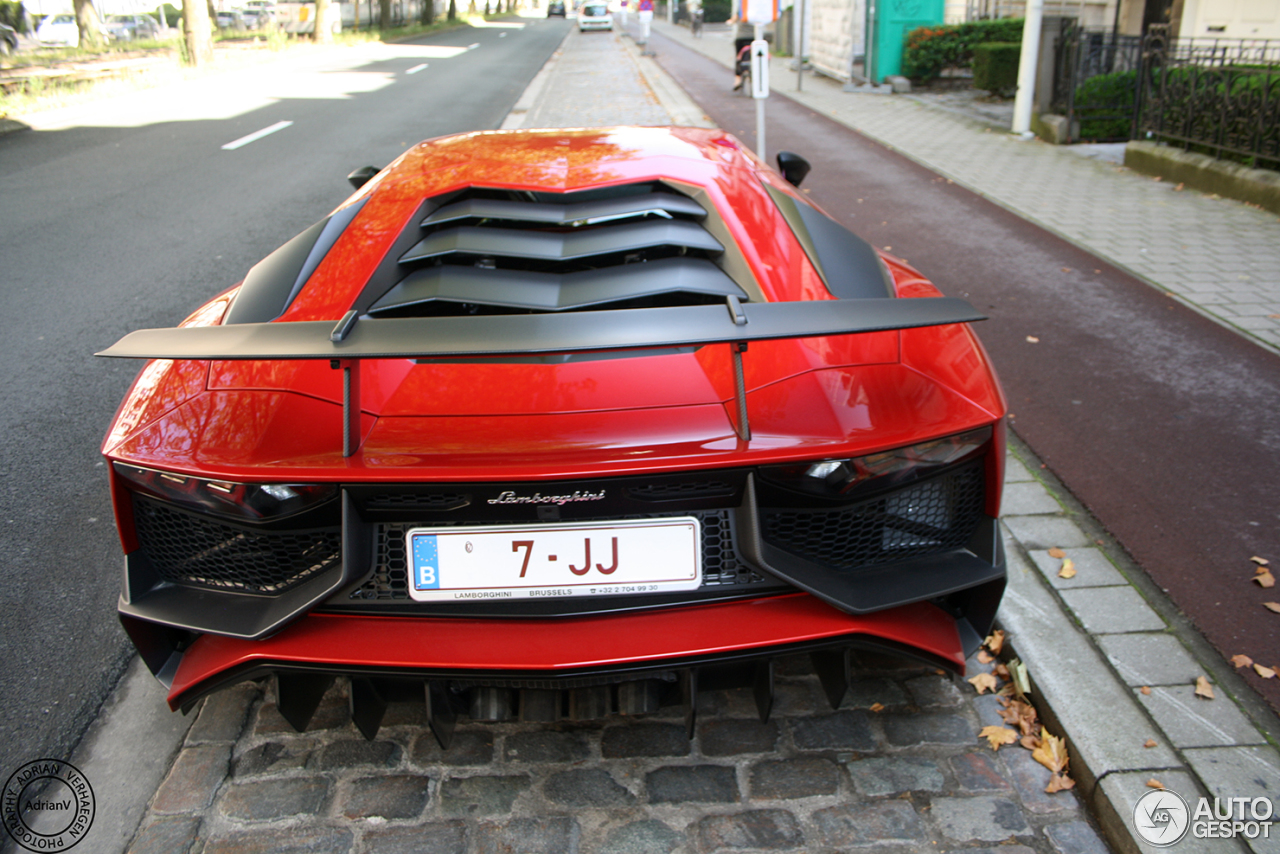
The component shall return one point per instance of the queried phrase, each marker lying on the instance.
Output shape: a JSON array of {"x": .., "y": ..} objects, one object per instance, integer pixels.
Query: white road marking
[
  {"x": 254, "y": 137},
  {"x": 416, "y": 69},
  {"x": 473, "y": 46}
]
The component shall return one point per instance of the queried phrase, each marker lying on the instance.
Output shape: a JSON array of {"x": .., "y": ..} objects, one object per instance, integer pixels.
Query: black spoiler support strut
[{"x": 353, "y": 340}]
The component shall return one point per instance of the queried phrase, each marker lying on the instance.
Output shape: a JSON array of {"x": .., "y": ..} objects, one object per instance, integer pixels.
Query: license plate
[{"x": 552, "y": 561}]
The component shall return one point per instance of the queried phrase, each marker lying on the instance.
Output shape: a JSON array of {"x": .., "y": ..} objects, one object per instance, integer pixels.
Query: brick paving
[{"x": 910, "y": 774}]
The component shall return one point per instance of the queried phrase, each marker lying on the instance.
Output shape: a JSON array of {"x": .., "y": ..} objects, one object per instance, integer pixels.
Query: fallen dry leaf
[
  {"x": 1241, "y": 661},
  {"x": 1264, "y": 672},
  {"x": 1150, "y": 742},
  {"x": 1179, "y": 187},
  {"x": 995, "y": 641},
  {"x": 1052, "y": 752},
  {"x": 1153, "y": 783},
  {"x": 1030, "y": 742},
  {"x": 1066, "y": 269},
  {"x": 984, "y": 682},
  {"x": 1068, "y": 569},
  {"x": 1031, "y": 339},
  {"x": 1146, "y": 691},
  {"x": 985, "y": 657},
  {"x": 998, "y": 736},
  {"x": 1059, "y": 783},
  {"x": 1260, "y": 561},
  {"x": 877, "y": 707},
  {"x": 1057, "y": 553},
  {"x": 1020, "y": 714},
  {"x": 1203, "y": 688},
  {"x": 1272, "y": 606},
  {"x": 1265, "y": 579},
  {"x": 1001, "y": 671}
]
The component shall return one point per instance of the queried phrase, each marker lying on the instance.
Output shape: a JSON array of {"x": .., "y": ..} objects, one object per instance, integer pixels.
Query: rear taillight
[{"x": 258, "y": 502}]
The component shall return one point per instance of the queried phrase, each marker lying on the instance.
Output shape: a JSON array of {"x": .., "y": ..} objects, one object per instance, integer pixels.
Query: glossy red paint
[
  {"x": 281, "y": 420},
  {"x": 558, "y": 647}
]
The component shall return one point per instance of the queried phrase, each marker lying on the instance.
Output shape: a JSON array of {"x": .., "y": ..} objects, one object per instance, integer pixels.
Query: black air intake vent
[{"x": 504, "y": 252}]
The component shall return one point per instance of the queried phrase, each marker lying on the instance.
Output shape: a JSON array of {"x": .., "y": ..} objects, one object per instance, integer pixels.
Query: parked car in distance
[
  {"x": 555, "y": 7},
  {"x": 530, "y": 436},
  {"x": 59, "y": 30},
  {"x": 259, "y": 14},
  {"x": 8, "y": 40},
  {"x": 232, "y": 19},
  {"x": 127, "y": 28},
  {"x": 594, "y": 16}
]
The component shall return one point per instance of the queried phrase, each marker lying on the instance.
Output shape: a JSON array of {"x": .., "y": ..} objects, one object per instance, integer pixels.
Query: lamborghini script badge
[{"x": 509, "y": 497}]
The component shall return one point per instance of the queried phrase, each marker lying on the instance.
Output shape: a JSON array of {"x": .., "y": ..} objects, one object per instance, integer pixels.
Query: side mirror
[
  {"x": 792, "y": 166},
  {"x": 361, "y": 176}
]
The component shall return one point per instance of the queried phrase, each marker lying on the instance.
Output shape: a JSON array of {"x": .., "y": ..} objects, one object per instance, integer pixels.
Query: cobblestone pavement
[
  {"x": 1217, "y": 255},
  {"x": 910, "y": 775}
]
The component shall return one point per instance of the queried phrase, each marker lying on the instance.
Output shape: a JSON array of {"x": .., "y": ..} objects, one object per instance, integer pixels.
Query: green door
[{"x": 893, "y": 20}]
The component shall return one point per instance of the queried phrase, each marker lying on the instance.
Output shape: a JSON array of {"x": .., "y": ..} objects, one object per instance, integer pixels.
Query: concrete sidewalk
[
  {"x": 1220, "y": 256},
  {"x": 1111, "y": 663}
]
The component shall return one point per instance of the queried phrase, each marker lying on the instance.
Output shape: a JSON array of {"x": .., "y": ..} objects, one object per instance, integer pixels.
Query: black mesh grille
[
  {"x": 417, "y": 501},
  {"x": 926, "y": 518},
  {"x": 190, "y": 549},
  {"x": 684, "y": 489},
  {"x": 720, "y": 565}
]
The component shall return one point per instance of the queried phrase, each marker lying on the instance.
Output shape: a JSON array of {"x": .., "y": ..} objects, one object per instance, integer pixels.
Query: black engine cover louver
[{"x": 491, "y": 251}]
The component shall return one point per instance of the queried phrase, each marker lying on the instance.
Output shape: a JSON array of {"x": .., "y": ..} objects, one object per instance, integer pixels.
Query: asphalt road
[
  {"x": 1160, "y": 421},
  {"x": 131, "y": 216}
]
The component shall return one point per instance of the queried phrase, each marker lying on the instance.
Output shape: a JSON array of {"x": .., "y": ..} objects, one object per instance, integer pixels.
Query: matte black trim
[
  {"x": 526, "y": 289},
  {"x": 873, "y": 588},
  {"x": 585, "y": 213},
  {"x": 235, "y": 614},
  {"x": 272, "y": 284},
  {"x": 561, "y": 246},
  {"x": 847, "y": 263},
  {"x": 568, "y": 332}
]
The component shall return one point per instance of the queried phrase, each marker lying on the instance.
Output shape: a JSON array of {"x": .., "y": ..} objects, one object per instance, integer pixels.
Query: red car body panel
[
  {"x": 352, "y": 643},
  {"x": 472, "y": 421}
]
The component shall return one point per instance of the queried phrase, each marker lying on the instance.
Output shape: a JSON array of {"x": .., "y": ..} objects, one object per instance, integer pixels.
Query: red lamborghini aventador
[{"x": 546, "y": 424}]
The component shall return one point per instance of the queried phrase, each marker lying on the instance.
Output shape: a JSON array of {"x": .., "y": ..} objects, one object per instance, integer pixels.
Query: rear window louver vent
[{"x": 499, "y": 252}]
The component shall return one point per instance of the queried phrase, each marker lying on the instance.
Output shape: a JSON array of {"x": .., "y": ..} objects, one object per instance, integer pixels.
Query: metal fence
[
  {"x": 1095, "y": 81},
  {"x": 1218, "y": 97}
]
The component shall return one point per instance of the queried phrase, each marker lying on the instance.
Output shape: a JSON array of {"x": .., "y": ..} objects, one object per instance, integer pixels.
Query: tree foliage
[{"x": 931, "y": 49}]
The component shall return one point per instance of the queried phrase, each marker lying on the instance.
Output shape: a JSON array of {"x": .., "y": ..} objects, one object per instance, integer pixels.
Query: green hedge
[
  {"x": 931, "y": 49},
  {"x": 1104, "y": 105},
  {"x": 715, "y": 11},
  {"x": 995, "y": 67}
]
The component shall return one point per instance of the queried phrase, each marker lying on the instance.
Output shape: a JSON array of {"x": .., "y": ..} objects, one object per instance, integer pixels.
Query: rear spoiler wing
[{"x": 354, "y": 338}]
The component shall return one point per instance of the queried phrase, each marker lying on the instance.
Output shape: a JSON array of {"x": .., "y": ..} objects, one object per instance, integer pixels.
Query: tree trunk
[
  {"x": 428, "y": 11},
  {"x": 323, "y": 33},
  {"x": 384, "y": 14},
  {"x": 89, "y": 24},
  {"x": 453, "y": 10},
  {"x": 197, "y": 31}
]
